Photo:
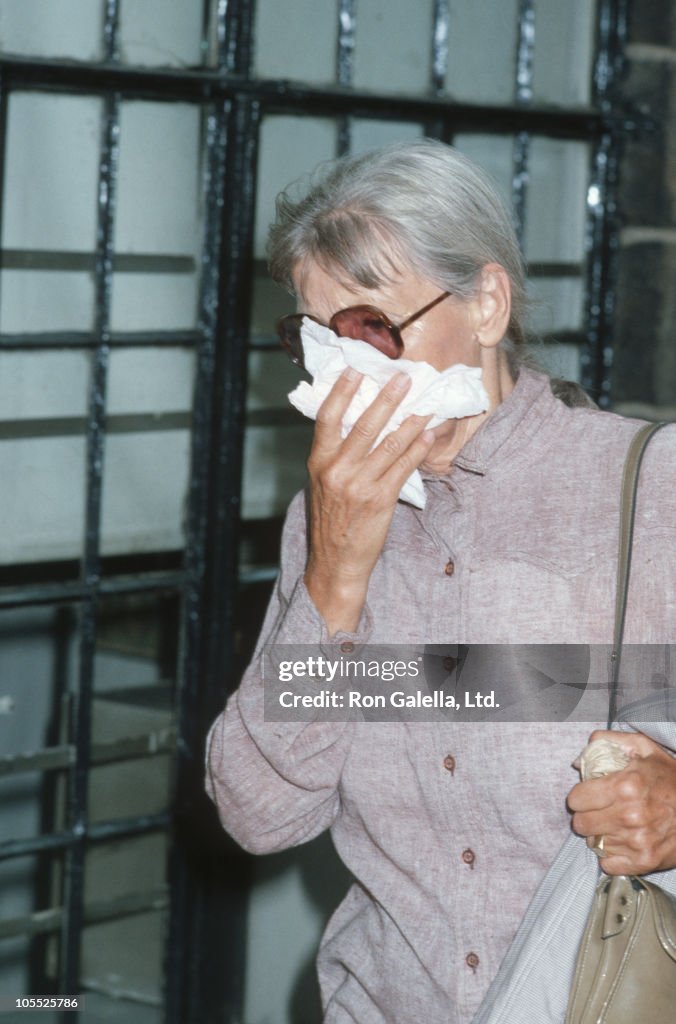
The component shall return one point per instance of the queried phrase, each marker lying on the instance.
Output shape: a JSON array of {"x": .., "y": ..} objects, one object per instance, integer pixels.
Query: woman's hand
[
  {"x": 634, "y": 810},
  {"x": 354, "y": 492}
]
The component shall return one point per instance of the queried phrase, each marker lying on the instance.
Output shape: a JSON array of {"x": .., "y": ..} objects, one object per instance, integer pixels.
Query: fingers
[
  {"x": 330, "y": 417},
  {"x": 634, "y": 811},
  {"x": 409, "y": 448},
  {"x": 393, "y": 460},
  {"x": 639, "y": 855},
  {"x": 372, "y": 421},
  {"x": 595, "y": 794},
  {"x": 370, "y": 424}
]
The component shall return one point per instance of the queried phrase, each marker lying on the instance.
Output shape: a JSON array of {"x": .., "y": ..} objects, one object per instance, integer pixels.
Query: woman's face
[
  {"x": 454, "y": 331},
  {"x": 442, "y": 337}
]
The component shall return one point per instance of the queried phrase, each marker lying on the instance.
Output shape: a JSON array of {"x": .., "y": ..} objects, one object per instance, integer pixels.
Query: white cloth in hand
[
  {"x": 601, "y": 757},
  {"x": 450, "y": 394}
]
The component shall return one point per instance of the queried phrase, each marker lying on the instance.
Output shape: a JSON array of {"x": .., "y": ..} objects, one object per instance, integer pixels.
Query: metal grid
[{"x": 204, "y": 961}]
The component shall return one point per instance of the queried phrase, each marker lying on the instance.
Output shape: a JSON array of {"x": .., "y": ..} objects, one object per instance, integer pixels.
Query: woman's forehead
[
  {"x": 326, "y": 289},
  {"x": 313, "y": 281}
]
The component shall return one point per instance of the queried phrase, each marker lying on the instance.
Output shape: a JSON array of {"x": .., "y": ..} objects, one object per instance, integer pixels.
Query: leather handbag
[{"x": 625, "y": 970}]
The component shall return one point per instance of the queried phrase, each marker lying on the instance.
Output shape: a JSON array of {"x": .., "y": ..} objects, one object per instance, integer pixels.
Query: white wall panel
[
  {"x": 161, "y": 32},
  {"x": 290, "y": 148},
  {"x": 50, "y": 191},
  {"x": 393, "y": 47},
  {"x": 52, "y": 28},
  {"x": 296, "y": 40}
]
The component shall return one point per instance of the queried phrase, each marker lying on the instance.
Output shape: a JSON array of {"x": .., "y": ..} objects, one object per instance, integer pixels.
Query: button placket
[
  {"x": 472, "y": 961},
  {"x": 469, "y": 857}
]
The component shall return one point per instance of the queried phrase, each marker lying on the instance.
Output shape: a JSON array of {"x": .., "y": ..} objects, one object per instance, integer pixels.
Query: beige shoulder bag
[{"x": 626, "y": 965}]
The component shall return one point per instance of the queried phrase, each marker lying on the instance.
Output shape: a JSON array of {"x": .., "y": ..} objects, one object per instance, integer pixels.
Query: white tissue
[{"x": 451, "y": 394}]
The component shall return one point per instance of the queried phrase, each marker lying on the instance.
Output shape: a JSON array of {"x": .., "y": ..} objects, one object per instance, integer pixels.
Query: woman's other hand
[
  {"x": 354, "y": 491},
  {"x": 634, "y": 810}
]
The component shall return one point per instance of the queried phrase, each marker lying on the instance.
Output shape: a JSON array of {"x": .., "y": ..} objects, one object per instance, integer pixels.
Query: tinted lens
[
  {"x": 366, "y": 324},
  {"x": 288, "y": 329}
]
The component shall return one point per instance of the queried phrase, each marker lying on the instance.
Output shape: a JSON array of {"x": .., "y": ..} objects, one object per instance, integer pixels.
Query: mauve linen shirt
[{"x": 448, "y": 827}]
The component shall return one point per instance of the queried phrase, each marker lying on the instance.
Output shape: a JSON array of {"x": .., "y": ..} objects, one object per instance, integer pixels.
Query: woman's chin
[{"x": 451, "y": 436}]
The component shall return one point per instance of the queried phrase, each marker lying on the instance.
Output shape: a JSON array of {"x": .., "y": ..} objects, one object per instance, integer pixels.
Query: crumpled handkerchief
[{"x": 450, "y": 394}]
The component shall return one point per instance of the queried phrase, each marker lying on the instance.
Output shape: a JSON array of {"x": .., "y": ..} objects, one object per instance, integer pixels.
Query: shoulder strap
[{"x": 632, "y": 466}]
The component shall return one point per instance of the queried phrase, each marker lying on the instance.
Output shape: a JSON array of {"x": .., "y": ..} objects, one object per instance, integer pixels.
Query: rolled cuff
[{"x": 303, "y": 624}]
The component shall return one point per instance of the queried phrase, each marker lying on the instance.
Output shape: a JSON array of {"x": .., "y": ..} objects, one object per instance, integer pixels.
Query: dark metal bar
[
  {"x": 208, "y": 905},
  {"x": 525, "y": 51},
  {"x": 226, "y": 23},
  {"x": 205, "y": 38},
  {"x": 239, "y": 35},
  {"x": 127, "y": 263},
  {"x": 212, "y": 904},
  {"x": 439, "y": 127},
  {"x": 4, "y": 94},
  {"x": 85, "y": 340},
  {"x": 40, "y": 923},
  {"x": 284, "y": 97},
  {"x": 46, "y": 760},
  {"x": 134, "y": 423},
  {"x": 347, "y": 28},
  {"x": 40, "y": 844},
  {"x": 76, "y": 426},
  {"x": 78, "y": 779},
  {"x": 523, "y": 94},
  {"x": 68, "y": 592},
  {"x": 603, "y": 225},
  {"x": 611, "y": 41},
  {"x": 111, "y": 26},
  {"x": 33, "y": 595},
  {"x": 45, "y": 921},
  {"x": 280, "y": 96},
  {"x": 129, "y": 748},
  {"x": 520, "y": 180},
  {"x": 602, "y": 245},
  {"x": 122, "y": 828},
  {"x": 125, "y": 828},
  {"x": 441, "y": 19},
  {"x": 231, "y": 365},
  {"x": 180, "y": 972}
]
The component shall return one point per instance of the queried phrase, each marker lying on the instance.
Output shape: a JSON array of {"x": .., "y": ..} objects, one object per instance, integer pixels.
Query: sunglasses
[{"x": 362, "y": 323}]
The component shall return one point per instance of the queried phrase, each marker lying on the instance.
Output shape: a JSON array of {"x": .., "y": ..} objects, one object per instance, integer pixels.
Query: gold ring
[{"x": 598, "y": 846}]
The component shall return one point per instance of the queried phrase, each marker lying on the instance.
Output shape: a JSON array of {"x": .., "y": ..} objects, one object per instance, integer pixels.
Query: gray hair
[{"x": 419, "y": 204}]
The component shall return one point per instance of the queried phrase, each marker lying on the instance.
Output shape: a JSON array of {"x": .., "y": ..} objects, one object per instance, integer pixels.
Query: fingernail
[
  {"x": 400, "y": 381},
  {"x": 349, "y": 373}
]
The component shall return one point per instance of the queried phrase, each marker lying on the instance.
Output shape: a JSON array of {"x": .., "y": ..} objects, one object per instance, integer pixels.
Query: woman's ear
[{"x": 493, "y": 305}]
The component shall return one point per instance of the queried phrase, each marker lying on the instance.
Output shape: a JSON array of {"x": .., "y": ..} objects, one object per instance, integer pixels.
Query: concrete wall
[{"x": 644, "y": 380}]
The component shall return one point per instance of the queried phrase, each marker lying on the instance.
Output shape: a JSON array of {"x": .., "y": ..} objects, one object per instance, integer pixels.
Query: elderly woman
[{"x": 448, "y": 827}]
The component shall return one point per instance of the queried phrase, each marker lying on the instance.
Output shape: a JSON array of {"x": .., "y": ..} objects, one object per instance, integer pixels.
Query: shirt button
[
  {"x": 449, "y": 763},
  {"x": 347, "y": 647},
  {"x": 449, "y": 664},
  {"x": 469, "y": 857},
  {"x": 472, "y": 961},
  {"x": 449, "y": 568}
]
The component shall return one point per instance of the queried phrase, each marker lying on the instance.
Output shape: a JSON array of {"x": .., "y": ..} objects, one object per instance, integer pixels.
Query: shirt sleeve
[{"x": 275, "y": 784}]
